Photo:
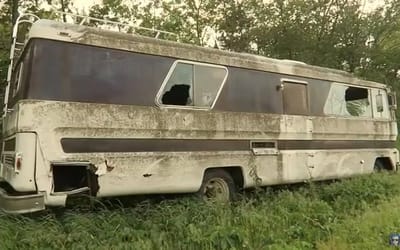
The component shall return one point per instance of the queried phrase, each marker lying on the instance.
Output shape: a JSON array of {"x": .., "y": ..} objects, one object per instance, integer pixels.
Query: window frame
[
  {"x": 347, "y": 85},
  {"x": 294, "y": 81},
  {"x": 168, "y": 76},
  {"x": 385, "y": 114},
  {"x": 380, "y": 107},
  {"x": 18, "y": 78}
]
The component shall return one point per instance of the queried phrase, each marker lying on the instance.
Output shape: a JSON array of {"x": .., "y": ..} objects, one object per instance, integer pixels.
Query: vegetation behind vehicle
[{"x": 347, "y": 35}]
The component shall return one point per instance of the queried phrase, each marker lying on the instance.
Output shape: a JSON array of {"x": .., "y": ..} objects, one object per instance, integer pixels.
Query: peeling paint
[
  {"x": 101, "y": 169},
  {"x": 109, "y": 168}
]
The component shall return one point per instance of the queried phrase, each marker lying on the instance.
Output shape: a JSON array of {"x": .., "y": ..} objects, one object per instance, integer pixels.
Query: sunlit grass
[
  {"x": 369, "y": 230},
  {"x": 274, "y": 218}
]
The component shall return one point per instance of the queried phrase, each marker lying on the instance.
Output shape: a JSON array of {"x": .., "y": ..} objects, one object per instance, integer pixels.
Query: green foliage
[
  {"x": 337, "y": 34},
  {"x": 368, "y": 231},
  {"x": 5, "y": 41},
  {"x": 278, "y": 218}
]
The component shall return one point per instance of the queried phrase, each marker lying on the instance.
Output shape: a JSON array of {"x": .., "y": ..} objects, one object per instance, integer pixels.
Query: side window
[
  {"x": 16, "y": 79},
  {"x": 348, "y": 101},
  {"x": 295, "y": 98},
  {"x": 336, "y": 103},
  {"x": 192, "y": 84},
  {"x": 380, "y": 103}
]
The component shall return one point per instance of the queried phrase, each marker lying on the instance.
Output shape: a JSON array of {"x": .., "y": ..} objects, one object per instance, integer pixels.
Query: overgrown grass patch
[
  {"x": 273, "y": 218},
  {"x": 369, "y": 230}
]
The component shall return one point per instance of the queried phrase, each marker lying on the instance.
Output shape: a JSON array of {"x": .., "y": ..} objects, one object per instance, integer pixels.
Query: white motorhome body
[{"x": 109, "y": 114}]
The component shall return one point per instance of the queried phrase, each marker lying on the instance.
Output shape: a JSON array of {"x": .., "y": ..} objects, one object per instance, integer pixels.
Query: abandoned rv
[{"x": 103, "y": 113}]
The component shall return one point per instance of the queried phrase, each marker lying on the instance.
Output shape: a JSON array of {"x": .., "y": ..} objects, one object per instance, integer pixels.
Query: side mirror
[{"x": 392, "y": 100}]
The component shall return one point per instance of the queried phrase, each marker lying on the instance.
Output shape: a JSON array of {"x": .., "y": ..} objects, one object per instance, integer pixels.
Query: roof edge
[{"x": 49, "y": 29}]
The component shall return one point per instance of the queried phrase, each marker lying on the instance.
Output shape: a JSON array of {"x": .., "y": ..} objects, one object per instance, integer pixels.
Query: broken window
[
  {"x": 348, "y": 101},
  {"x": 357, "y": 102},
  {"x": 192, "y": 84}
]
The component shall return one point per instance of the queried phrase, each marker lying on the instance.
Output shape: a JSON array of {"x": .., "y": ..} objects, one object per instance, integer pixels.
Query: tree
[
  {"x": 329, "y": 33},
  {"x": 8, "y": 15},
  {"x": 236, "y": 23},
  {"x": 189, "y": 19}
]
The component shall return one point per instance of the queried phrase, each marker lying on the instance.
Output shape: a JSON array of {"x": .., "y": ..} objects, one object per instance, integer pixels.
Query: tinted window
[{"x": 73, "y": 72}]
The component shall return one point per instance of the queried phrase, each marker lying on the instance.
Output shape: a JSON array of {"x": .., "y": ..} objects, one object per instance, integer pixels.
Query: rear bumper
[{"x": 22, "y": 203}]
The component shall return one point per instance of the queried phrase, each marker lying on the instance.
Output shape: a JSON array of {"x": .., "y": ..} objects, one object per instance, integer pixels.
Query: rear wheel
[{"x": 217, "y": 186}]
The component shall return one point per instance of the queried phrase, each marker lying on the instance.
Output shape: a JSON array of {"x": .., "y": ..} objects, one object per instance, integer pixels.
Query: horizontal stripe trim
[
  {"x": 91, "y": 145},
  {"x": 102, "y": 145},
  {"x": 333, "y": 144}
]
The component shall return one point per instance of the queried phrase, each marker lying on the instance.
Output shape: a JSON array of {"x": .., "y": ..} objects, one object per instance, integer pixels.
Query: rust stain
[{"x": 108, "y": 167}]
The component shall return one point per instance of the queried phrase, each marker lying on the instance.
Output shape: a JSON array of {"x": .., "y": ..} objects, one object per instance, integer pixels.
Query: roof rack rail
[{"x": 111, "y": 25}]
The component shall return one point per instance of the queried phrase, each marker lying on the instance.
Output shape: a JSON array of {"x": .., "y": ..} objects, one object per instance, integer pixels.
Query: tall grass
[
  {"x": 367, "y": 231},
  {"x": 274, "y": 218}
]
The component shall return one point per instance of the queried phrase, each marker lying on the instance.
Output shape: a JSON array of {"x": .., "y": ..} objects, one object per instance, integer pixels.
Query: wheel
[{"x": 217, "y": 186}]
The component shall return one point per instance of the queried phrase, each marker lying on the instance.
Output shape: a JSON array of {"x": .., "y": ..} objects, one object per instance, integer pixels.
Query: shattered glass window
[
  {"x": 348, "y": 101},
  {"x": 193, "y": 84}
]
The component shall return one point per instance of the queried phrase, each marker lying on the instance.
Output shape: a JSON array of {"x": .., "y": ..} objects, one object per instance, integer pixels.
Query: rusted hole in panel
[{"x": 72, "y": 177}]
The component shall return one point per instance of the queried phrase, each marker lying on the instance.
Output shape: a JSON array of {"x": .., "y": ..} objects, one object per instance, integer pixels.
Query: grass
[
  {"x": 366, "y": 231},
  {"x": 316, "y": 215}
]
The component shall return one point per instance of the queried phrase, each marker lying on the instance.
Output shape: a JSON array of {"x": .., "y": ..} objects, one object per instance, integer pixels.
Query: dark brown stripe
[
  {"x": 92, "y": 145},
  {"x": 333, "y": 144},
  {"x": 89, "y": 145}
]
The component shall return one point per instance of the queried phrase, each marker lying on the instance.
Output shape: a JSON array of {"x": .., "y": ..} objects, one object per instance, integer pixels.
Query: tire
[{"x": 217, "y": 186}]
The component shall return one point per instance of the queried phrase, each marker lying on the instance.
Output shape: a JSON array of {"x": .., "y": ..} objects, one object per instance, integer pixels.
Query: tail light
[{"x": 18, "y": 162}]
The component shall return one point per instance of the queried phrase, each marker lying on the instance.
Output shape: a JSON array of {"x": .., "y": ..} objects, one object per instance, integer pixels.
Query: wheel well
[
  {"x": 235, "y": 172},
  {"x": 386, "y": 162}
]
